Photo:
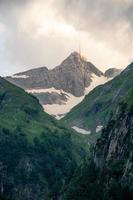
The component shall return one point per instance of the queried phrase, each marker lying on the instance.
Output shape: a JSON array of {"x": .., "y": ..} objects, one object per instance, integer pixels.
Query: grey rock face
[
  {"x": 108, "y": 171},
  {"x": 112, "y": 72},
  {"x": 73, "y": 75},
  {"x": 51, "y": 98},
  {"x": 115, "y": 147}
]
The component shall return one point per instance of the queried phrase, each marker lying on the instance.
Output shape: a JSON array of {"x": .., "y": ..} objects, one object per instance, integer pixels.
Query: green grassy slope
[
  {"x": 38, "y": 155},
  {"x": 95, "y": 109},
  {"x": 129, "y": 99}
]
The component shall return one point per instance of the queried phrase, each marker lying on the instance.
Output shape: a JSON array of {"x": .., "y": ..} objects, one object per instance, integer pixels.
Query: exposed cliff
[{"x": 108, "y": 173}]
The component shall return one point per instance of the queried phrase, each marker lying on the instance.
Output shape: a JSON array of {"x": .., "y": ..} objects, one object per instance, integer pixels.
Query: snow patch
[
  {"x": 55, "y": 109},
  {"x": 49, "y": 90},
  {"x": 58, "y": 117},
  {"x": 80, "y": 130},
  {"x": 99, "y": 128},
  {"x": 20, "y": 76},
  {"x": 96, "y": 80},
  {"x": 59, "y": 111}
]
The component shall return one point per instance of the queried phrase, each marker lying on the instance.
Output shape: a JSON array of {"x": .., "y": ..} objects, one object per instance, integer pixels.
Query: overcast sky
[{"x": 36, "y": 33}]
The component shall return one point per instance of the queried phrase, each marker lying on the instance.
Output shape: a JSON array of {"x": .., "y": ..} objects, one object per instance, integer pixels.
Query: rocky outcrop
[
  {"x": 51, "y": 98},
  {"x": 112, "y": 72},
  {"x": 108, "y": 173},
  {"x": 114, "y": 150}
]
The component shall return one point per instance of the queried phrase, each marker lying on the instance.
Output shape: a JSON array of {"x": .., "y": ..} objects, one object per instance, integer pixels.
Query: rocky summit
[{"x": 64, "y": 85}]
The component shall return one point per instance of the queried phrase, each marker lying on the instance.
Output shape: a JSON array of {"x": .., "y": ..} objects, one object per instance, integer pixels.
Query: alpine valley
[
  {"x": 42, "y": 158},
  {"x": 38, "y": 155}
]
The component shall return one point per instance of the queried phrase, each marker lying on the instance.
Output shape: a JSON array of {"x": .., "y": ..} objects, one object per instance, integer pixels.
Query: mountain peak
[
  {"x": 80, "y": 67},
  {"x": 74, "y": 56},
  {"x": 73, "y": 75},
  {"x": 75, "y": 53}
]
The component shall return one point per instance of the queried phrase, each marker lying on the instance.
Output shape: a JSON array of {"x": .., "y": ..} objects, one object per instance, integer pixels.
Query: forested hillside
[{"x": 37, "y": 154}]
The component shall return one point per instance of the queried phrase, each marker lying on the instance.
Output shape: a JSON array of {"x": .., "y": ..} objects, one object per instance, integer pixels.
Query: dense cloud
[
  {"x": 38, "y": 32},
  {"x": 111, "y": 21}
]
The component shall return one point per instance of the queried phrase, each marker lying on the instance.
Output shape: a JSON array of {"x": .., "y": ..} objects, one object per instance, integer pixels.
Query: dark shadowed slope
[{"x": 108, "y": 173}]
